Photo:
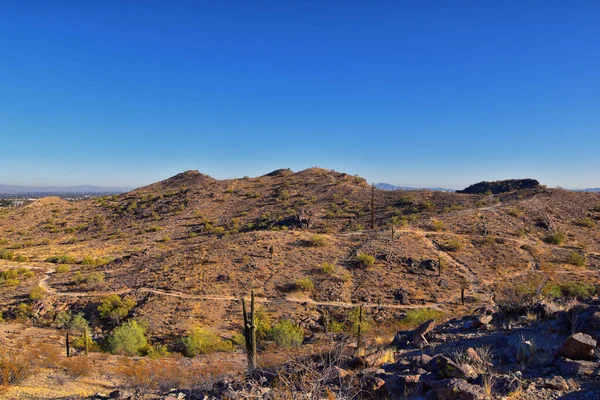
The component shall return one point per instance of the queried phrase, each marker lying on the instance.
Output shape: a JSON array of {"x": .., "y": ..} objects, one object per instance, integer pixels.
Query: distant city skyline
[{"x": 408, "y": 93}]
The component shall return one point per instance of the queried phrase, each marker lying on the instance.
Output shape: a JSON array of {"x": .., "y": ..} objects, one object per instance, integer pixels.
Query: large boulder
[
  {"x": 446, "y": 368},
  {"x": 586, "y": 320},
  {"x": 577, "y": 368},
  {"x": 578, "y": 346}
]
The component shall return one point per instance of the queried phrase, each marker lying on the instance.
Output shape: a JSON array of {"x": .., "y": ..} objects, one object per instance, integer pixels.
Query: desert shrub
[
  {"x": 87, "y": 260},
  {"x": 37, "y": 293},
  {"x": 127, "y": 339},
  {"x": 287, "y": 333},
  {"x": 518, "y": 297},
  {"x": 6, "y": 255},
  {"x": 576, "y": 258},
  {"x": 94, "y": 279},
  {"x": 115, "y": 308},
  {"x": 2, "y": 317},
  {"x": 155, "y": 351},
  {"x": 451, "y": 245},
  {"x": 327, "y": 268},
  {"x": 353, "y": 318},
  {"x": 23, "y": 311},
  {"x": 365, "y": 260},
  {"x": 262, "y": 320},
  {"x": 437, "y": 225},
  {"x": 418, "y": 316},
  {"x": 62, "y": 269},
  {"x": 317, "y": 240},
  {"x": 77, "y": 367},
  {"x": 14, "y": 366},
  {"x": 21, "y": 258},
  {"x": 586, "y": 222},
  {"x": 304, "y": 285},
  {"x": 62, "y": 259},
  {"x": 336, "y": 326},
  {"x": 202, "y": 341},
  {"x": 556, "y": 238},
  {"x": 70, "y": 321},
  {"x": 574, "y": 290}
]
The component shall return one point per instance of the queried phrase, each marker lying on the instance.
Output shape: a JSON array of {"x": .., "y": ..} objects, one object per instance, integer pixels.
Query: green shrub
[
  {"x": 437, "y": 225},
  {"x": 94, "y": 279},
  {"x": 21, "y": 258},
  {"x": 66, "y": 320},
  {"x": 451, "y": 245},
  {"x": 576, "y": 258},
  {"x": 365, "y": 260},
  {"x": 37, "y": 293},
  {"x": 155, "y": 351},
  {"x": 317, "y": 241},
  {"x": 262, "y": 321},
  {"x": 418, "y": 316},
  {"x": 327, "y": 268},
  {"x": 286, "y": 333},
  {"x": 353, "y": 318},
  {"x": 586, "y": 223},
  {"x": 115, "y": 308},
  {"x": 304, "y": 285},
  {"x": 62, "y": 259},
  {"x": 556, "y": 238},
  {"x": 87, "y": 260},
  {"x": 127, "y": 339},
  {"x": 579, "y": 290},
  {"x": 62, "y": 269},
  {"x": 6, "y": 255},
  {"x": 202, "y": 341}
]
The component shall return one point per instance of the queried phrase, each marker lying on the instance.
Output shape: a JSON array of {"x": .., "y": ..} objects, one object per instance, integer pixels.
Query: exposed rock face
[
  {"x": 578, "y": 346},
  {"x": 501, "y": 186}
]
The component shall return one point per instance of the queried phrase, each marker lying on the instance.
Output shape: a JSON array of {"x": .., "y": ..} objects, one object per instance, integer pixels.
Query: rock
[
  {"x": 505, "y": 385},
  {"x": 443, "y": 283},
  {"x": 557, "y": 383},
  {"x": 402, "y": 296},
  {"x": 335, "y": 373},
  {"x": 578, "y": 346},
  {"x": 115, "y": 394},
  {"x": 455, "y": 389},
  {"x": 577, "y": 368},
  {"x": 422, "y": 330},
  {"x": 561, "y": 324},
  {"x": 485, "y": 310},
  {"x": 525, "y": 350},
  {"x": 586, "y": 320},
  {"x": 430, "y": 265},
  {"x": 473, "y": 356},
  {"x": 542, "y": 310},
  {"x": 482, "y": 320},
  {"x": 446, "y": 368}
]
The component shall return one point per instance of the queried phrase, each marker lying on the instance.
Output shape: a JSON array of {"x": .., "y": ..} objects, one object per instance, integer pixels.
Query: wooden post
[
  {"x": 67, "y": 345},
  {"x": 253, "y": 330},
  {"x": 359, "y": 330},
  {"x": 373, "y": 206},
  {"x": 85, "y": 341}
]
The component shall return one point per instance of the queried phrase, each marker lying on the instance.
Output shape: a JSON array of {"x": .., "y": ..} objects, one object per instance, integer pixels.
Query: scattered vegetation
[
  {"x": 287, "y": 333},
  {"x": 365, "y": 260},
  {"x": 127, "y": 339},
  {"x": 115, "y": 308},
  {"x": 556, "y": 238},
  {"x": 203, "y": 341}
]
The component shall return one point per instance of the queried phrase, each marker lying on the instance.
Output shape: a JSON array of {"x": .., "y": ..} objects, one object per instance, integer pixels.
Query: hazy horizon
[{"x": 126, "y": 94}]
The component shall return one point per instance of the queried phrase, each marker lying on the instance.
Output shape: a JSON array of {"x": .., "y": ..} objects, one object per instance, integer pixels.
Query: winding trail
[{"x": 48, "y": 271}]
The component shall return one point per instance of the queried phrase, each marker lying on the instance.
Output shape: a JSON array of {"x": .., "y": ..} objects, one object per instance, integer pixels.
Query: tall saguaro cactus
[
  {"x": 67, "y": 345},
  {"x": 250, "y": 331},
  {"x": 85, "y": 341}
]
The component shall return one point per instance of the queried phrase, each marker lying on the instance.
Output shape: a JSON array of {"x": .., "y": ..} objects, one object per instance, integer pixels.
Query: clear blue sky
[{"x": 407, "y": 92}]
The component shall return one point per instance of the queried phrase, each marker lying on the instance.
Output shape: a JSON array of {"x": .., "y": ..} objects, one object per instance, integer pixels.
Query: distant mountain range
[
  {"x": 387, "y": 186},
  {"x": 597, "y": 190},
  {"x": 15, "y": 189}
]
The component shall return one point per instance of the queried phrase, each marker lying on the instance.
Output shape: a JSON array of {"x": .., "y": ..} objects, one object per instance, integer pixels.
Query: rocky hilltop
[{"x": 498, "y": 187}]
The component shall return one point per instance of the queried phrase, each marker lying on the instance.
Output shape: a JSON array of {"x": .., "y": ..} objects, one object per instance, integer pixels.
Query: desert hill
[{"x": 187, "y": 248}]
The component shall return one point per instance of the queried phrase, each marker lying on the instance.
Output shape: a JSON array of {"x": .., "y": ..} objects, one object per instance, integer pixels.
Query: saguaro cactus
[
  {"x": 67, "y": 345},
  {"x": 85, "y": 341},
  {"x": 250, "y": 331}
]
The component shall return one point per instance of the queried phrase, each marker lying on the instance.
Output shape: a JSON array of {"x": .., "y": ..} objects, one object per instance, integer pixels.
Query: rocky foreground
[{"x": 548, "y": 352}]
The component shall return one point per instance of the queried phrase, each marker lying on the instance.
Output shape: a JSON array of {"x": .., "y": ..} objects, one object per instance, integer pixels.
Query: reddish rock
[{"x": 578, "y": 346}]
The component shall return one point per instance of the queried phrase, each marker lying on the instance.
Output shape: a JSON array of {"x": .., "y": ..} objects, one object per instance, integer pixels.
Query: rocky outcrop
[
  {"x": 501, "y": 186},
  {"x": 578, "y": 346}
]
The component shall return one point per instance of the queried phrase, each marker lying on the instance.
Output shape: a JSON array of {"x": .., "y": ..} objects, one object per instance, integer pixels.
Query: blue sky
[{"x": 406, "y": 92}]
